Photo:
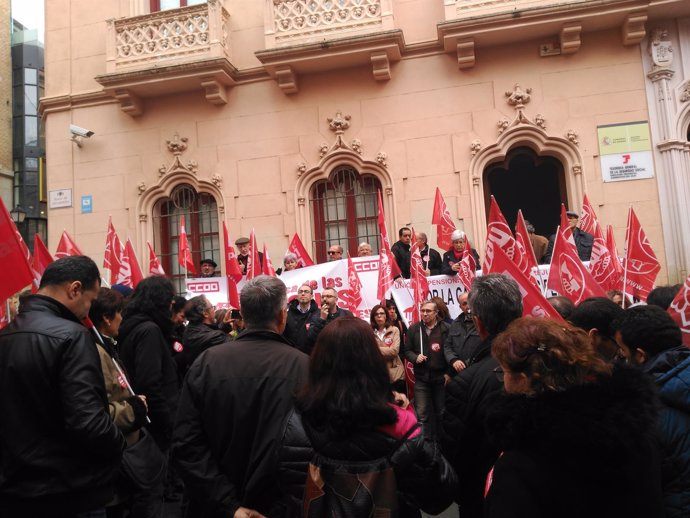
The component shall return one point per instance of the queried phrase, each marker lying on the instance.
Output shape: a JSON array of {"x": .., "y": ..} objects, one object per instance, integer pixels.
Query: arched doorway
[{"x": 524, "y": 180}]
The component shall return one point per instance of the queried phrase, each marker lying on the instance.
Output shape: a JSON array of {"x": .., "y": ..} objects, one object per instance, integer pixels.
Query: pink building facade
[{"x": 288, "y": 116}]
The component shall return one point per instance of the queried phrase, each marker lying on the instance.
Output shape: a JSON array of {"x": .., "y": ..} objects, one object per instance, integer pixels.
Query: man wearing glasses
[
  {"x": 300, "y": 311},
  {"x": 424, "y": 348},
  {"x": 335, "y": 253}
]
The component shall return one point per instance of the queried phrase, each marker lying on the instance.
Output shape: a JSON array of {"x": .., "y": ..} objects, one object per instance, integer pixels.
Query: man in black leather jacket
[
  {"x": 583, "y": 240},
  {"x": 59, "y": 449},
  {"x": 201, "y": 332}
]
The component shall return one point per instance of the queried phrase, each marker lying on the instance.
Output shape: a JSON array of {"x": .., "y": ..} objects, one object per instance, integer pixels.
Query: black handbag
[{"x": 143, "y": 463}]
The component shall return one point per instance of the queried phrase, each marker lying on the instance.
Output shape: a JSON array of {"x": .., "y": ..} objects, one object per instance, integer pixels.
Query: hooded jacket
[
  {"x": 589, "y": 450},
  {"x": 59, "y": 449}
]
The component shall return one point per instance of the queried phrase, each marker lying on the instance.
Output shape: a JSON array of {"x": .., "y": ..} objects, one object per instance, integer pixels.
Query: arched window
[
  {"x": 344, "y": 210},
  {"x": 201, "y": 221}
]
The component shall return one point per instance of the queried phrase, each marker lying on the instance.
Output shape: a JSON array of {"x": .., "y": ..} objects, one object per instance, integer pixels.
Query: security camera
[{"x": 80, "y": 132}]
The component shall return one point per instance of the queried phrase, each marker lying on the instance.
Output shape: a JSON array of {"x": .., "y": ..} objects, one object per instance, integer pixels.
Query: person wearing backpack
[{"x": 348, "y": 450}]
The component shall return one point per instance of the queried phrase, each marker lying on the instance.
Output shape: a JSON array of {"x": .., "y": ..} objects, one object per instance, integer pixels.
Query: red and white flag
[
  {"x": 184, "y": 253},
  {"x": 588, "y": 219},
  {"x": 525, "y": 259},
  {"x": 112, "y": 258},
  {"x": 602, "y": 265},
  {"x": 640, "y": 263},
  {"x": 15, "y": 264},
  {"x": 267, "y": 267},
  {"x": 130, "y": 272},
  {"x": 568, "y": 276},
  {"x": 533, "y": 302},
  {"x": 444, "y": 223},
  {"x": 232, "y": 265},
  {"x": 296, "y": 247},
  {"x": 155, "y": 267},
  {"x": 565, "y": 228},
  {"x": 497, "y": 234},
  {"x": 615, "y": 258},
  {"x": 418, "y": 280},
  {"x": 387, "y": 263},
  {"x": 67, "y": 247},
  {"x": 468, "y": 266},
  {"x": 42, "y": 257},
  {"x": 253, "y": 261},
  {"x": 680, "y": 311},
  {"x": 355, "y": 286}
]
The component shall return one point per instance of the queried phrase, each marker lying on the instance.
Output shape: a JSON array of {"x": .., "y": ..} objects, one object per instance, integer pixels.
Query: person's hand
[
  {"x": 458, "y": 365},
  {"x": 427, "y": 272},
  {"x": 401, "y": 399},
  {"x": 227, "y": 318},
  {"x": 243, "y": 267},
  {"x": 456, "y": 267},
  {"x": 446, "y": 379},
  {"x": 421, "y": 359},
  {"x": 245, "y": 512},
  {"x": 325, "y": 310},
  {"x": 143, "y": 400}
]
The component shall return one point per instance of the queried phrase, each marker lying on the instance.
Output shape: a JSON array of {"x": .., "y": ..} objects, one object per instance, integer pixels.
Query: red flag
[
  {"x": 409, "y": 378},
  {"x": 441, "y": 218},
  {"x": 680, "y": 311},
  {"x": 267, "y": 267},
  {"x": 67, "y": 247},
  {"x": 155, "y": 267},
  {"x": 112, "y": 258},
  {"x": 355, "y": 286},
  {"x": 533, "y": 302},
  {"x": 232, "y": 265},
  {"x": 588, "y": 219},
  {"x": 184, "y": 254},
  {"x": 42, "y": 257},
  {"x": 418, "y": 280},
  {"x": 525, "y": 259},
  {"x": 468, "y": 266},
  {"x": 565, "y": 228},
  {"x": 602, "y": 265},
  {"x": 15, "y": 262},
  {"x": 611, "y": 245},
  {"x": 253, "y": 262},
  {"x": 296, "y": 247},
  {"x": 497, "y": 233},
  {"x": 387, "y": 264},
  {"x": 640, "y": 263},
  {"x": 130, "y": 272},
  {"x": 568, "y": 276}
]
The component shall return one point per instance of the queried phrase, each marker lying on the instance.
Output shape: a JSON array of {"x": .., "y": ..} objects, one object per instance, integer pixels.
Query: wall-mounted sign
[
  {"x": 625, "y": 151},
  {"x": 60, "y": 199},
  {"x": 87, "y": 204}
]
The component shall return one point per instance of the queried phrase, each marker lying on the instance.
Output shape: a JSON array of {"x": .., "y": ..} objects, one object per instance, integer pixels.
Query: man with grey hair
[
  {"x": 451, "y": 259},
  {"x": 201, "y": 332},
  {"x": 233, "y": 403},
  {"x": 431, "y": 259},
  {"x": 335, "y": 253},
  {"x": 364, "y": 249},
  {"x": 495, "y": 301}
]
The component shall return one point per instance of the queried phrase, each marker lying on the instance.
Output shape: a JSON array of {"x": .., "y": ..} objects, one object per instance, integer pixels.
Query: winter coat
[
  {"x": 412, "y": 350},
  {"x": 401, "y": 252},
  {"x": 424, "y": 478},
  {"x": 145, "y": 351},
  {"x": 462, "y": 341},
  {"x": 316, "y": 325},
  {"x": 583, "y": 243},
  {"x": 589, "y": 450},
  {"x": 297, "y": 324},
  {"x": 671, "y": 372},
  {"x": 59, "y": 449},
  {"x": 462, "y": 427},
  {"x": 449, "y": 259},
  {"x": 234, "y": 402},
  {"x": 197, "y": 338},
  {"x": 434, "y": 263},
  {"x": 390, "y": 350}
]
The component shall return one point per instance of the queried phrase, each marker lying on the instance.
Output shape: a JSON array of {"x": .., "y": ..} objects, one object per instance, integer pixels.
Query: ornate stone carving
[
  {"x": 143, "y": 218},
  {"x": 571, "y": 135},
  {"x": 475, "y": 146},
  {"x": 389, "y": 191},
  {"x": 323, "y": 149},
  {"x": 577, "y": 169},
  {"x": 465, "y": 50},
  {"x": 660, "y": 48},
  {"x": 685, "y": 96},
  {"x": 178, "y": 145},
  {"x": 217, "y": 180},
  {"x": 339, "y": 123},
  {"x": 503, "y": 125},
  {"x": 382, "y": 158},
  {"x": 356, "y": 146},
  {"x": 301, "y": 201},
  {"x": 141, "y": 187},
  {"x": 540, "y": 121},
  {"x": 301, "y": 169},
  {"x": 476, "y": 180},
  {"x": 519, "y": 97}
]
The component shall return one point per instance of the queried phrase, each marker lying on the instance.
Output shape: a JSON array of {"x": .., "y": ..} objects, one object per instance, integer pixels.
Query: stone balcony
[
  {"x": 170, "y": 51},
  {"x": 304, "y": 36},
  {"x": 455, "y": 9}
]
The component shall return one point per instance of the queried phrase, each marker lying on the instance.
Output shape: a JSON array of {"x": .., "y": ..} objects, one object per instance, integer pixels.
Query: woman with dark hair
[
  {"x": 388, "y": 340},
  {"x": 347, "y": 416},
  {"x": 577, "y": 433},
  {"x": 394, "y": 317},
  {"x": 145, "y": 350},
  {"x": 127, "y": 411},
  {"x": 443, "y": 311}
]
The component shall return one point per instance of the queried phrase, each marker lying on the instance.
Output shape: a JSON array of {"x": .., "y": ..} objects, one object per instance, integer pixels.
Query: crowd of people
[{"x": 115, "y": 401}]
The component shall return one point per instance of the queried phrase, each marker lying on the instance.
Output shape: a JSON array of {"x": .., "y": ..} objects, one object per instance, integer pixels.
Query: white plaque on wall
[{"x": 60, "y": 198}]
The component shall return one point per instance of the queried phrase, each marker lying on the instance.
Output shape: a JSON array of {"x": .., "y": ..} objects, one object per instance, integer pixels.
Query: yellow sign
[{"x": 624, "y": 138}]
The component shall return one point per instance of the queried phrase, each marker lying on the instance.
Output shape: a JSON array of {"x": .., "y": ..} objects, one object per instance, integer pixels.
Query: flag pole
[{"x": 627, "y": 252}]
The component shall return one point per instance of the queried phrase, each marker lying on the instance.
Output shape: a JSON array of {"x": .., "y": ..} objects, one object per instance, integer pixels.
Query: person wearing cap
[
  {"x": 208, "y": 268},
  {"x": 583, "y": 240},
  {"x": 243, "y": 250}
]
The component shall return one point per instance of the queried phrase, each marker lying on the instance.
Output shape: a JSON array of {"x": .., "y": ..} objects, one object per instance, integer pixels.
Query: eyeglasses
[
  {"x": 500, "y": 375},
  {"x": 304, "y": 291}
]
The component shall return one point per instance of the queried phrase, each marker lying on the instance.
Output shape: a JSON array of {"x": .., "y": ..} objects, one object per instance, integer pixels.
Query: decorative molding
[
  {"x": 214, "y": 91},
  {"x": 130, "y": 103},
  {"x": 466, "y": 54},
  {"x": 476, "y": 180},
  {"x": 217, "y": 180},
  {"x": 143, "y": 218},
  {"x": 301, "y": 169},
  {"x": 540, "y": 120},
  {"x": 660, "y": 49},
  {"x": 502, "y": 125},
  {"x": 356, "y": 146},
  {"x": 301, "y": 201},
  {"x": 339, "y": 124},
  {"x": 389, "y": 191},
  {"x": 570, "y": 38},
  {"x": 656, "y": 74},
  {"x": 287, "y": 79},
  {"x": 685, "y": 95},
  {"x": 633, "y": 29},
  {"x": 475, "y": 146},
  {"x": 519, "y": 97},
  {"x": 577, "y": 169},
  {"x": 323, "y": 149},
  {"x": 382, "y": 158},
  {"x": 381, "y": 67},
  {"x": 178, "y": 145},
  {"x": 571, "y": 135},
  {"x": 141, "y": 187}
]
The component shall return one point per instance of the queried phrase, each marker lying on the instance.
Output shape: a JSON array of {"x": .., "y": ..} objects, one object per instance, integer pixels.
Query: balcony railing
[
  {"x": 168, "y": 37},
  {"x": 457, "y": 9},
  {"x": 292, "y": 22}
]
